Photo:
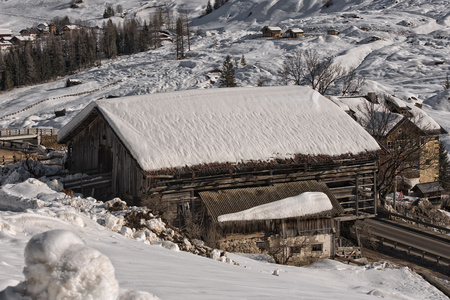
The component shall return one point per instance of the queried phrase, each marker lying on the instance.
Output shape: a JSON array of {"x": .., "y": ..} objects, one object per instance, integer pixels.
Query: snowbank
[
  {"x": 60, "y": 266},
  {"x": 301, "y": 205}
]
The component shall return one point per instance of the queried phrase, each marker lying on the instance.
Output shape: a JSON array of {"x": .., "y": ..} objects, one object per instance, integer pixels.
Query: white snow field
[{"x": 85, "y": 260}]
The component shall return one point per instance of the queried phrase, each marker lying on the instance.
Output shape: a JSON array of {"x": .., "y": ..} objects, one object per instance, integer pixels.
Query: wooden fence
[{"x": 12, "y": 132}]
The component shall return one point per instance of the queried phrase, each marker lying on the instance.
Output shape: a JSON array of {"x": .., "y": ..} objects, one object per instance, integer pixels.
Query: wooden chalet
[
  {"x": 293, "y": 238},
  {"x": 67, "y": 29},
  {"x": 294, "y": 33},
  {"x": 271, "y": 31},
  {"x": 168, "y": 148}
]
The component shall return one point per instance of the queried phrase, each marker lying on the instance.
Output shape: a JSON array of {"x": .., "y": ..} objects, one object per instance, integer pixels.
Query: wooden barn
[
  {"x": 166, "y": 149},
  {"x": 271, "y": 31}
]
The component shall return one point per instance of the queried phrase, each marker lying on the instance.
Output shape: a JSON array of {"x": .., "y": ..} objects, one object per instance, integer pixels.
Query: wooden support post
[
  {"x": 375, "y": 192},
  {"x": 357, "y": 196}
]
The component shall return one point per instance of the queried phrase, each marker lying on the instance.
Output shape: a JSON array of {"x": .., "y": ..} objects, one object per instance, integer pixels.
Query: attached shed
[
  {"x": 168, "y": 148},
  {"x": 431, "y": 190},
  {"x": 271, "y": 31},
  {"x": 293, "y": 221}
]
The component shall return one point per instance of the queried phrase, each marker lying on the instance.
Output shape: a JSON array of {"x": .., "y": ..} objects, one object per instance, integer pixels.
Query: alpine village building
[
  {"x": 407, "y": 134},
  {"x": 209, "y": 155}
]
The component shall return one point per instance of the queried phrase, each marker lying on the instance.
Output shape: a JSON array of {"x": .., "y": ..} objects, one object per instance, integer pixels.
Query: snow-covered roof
[
  {"x": 4, "y": 31},
  {"x": 295, "y": 30},
  {"x": 273, "y": 28},
  {"x": 25, "y": 38},
  {"x": 418, "y": 116},
  {"x": 244, "y": 203},
  {"x": 232, "y": 125},
  {"x": 71, "y": 27},
  {"x": 308, "y": 203}
]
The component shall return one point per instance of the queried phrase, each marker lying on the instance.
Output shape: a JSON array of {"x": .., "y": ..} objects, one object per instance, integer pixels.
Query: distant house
[
  {"x": 405, "y": 128},
  {"x": 43, "y": 27},
  {"x": 271, "y": 31},
  {"x": 21, "y": 40},
  {"x": 294, "y": 33},
  {"x": 30, "y": 32},
  {"x": 5, "y": 33},
  {"x": 67, "y": 29},
  {"x": 169, "y": 148},
  {"x": 332, "y": 32},
  {"x": 5, "y": 45}
]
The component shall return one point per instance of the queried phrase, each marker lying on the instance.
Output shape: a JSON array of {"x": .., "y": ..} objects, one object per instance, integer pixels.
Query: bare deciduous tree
[
  {"x": 308, "y": 67},
  {"x": 352, "y": 83}
]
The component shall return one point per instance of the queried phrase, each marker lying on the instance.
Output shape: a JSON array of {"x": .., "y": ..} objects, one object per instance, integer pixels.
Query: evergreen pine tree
[
  {"x": 243, "y": 61},
  {"x": 444, "y": 167},
  {"x": 227, "y": 74},
  {"x": 209, "y": 7},
  {"x": 109, "y": 43}
]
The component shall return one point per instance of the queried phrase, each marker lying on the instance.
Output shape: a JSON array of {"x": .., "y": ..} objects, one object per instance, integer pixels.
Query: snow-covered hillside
[{"x": 400, "y": 47}]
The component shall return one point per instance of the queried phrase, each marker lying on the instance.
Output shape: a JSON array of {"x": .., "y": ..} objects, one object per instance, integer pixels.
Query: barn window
[{"x": 317, "y": 247}]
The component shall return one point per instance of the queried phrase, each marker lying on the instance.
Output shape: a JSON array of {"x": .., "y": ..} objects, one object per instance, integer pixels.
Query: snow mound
[
  {"x": 301, "y": 205},
  {"x": 60, "y": 266}
]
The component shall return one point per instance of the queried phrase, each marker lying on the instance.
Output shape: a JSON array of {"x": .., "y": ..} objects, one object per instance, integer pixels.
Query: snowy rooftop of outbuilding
[
  {"x": 360, "y": 106},
  {"x": 279, "y": 201},
  {"x": 232, "y": 125},
  {"x": 273, "y": 28},
  {"x": 308, "y": 203}
]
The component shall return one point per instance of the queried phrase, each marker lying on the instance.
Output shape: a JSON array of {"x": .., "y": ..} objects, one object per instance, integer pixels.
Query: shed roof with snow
[
  {"x": 280, "y": 201},
  {"x": 227, "y": 125},
  {"x": 360, "y": 106}
]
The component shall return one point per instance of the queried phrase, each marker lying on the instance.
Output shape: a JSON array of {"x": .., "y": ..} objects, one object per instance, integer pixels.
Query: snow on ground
[
  {"x": 301, "y": 205},
  {"x": 41, "y": 261}
]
